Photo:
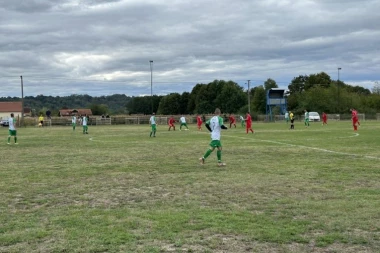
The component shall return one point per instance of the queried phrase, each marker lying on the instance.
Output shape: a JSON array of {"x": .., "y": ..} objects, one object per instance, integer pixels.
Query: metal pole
[
  {"x": 151, "y": 83},
  {"x": 22, "y": 102},
  {"x": 249, "y": 101}
]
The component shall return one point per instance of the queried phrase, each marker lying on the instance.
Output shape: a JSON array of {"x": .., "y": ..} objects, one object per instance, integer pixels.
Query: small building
[
  {"x": 6, "y": 108},
  {"x": 71, "y": 112}
]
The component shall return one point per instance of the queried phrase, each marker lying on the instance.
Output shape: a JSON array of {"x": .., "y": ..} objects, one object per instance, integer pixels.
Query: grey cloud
[{"x": 189, "y": 41}]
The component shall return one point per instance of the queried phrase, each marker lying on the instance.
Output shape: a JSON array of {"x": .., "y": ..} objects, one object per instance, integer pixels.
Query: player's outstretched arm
[
  {"x": 223, "y": 127},
  {"x": 208, "y": 127}
]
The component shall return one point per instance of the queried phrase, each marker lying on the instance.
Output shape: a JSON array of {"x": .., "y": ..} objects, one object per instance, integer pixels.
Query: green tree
[
  {"x": 170, "y": 104},
  {"x": 191, "y": 105},
  {"x": 231, "y": 98},
  {"x": 259, "y": 100},
  {"x": 204, "y": 101},
  {"x": 298, "y": 84},
  {"x": 183, "y": 103},
  {"x": 99, "y": 109},
  {"x": 321, "y": 79},
  {"x": 269, "y": 84}
]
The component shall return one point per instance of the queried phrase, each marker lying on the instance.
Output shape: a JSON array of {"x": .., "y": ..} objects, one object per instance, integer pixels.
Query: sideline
[{"x": 308, "y": 147}]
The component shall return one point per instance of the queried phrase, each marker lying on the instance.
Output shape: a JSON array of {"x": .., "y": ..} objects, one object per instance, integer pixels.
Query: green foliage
[
  {"x": 170, "y": 104},
  {"x": 231, "y": 98},
  {"x": 298, "y": 84},
  {"x": 269, "y": 84},
  {"x": 144, "y": 105},
  {"x": 99, "y": 109},
  {"x": 321, "y": 79},
  {"x": 259, "y": 100}
]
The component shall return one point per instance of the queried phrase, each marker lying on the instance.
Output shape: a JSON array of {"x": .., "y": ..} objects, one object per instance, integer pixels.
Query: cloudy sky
[{"x": 103, "y": 47}]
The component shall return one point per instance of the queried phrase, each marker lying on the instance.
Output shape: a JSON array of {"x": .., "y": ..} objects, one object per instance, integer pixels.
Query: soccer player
[
  {"x": 306, "y": 118},
  {"x": 12, "y": 129},
  {"x": 248, "y": 123},
  {"x": 171, "y": 123},
  {"x": 215, "y": 125},
  {"x": 324, "y": 118},
  {"x": 287, "y": 117},
  {"x": 354, "y": 117},
  {"x": 291, "y": 116},
  {"x": 84, "y": 124},
  {"x": 182, "y": 120},
  {"x": 152, "y": 122},
  {"x": 242, "y": 120},
  {"x": 199, "y": 122},
  {"x": 41, "y": 120},
  {"x": 74, "y": 122},
  {"x": 232, "y": 120}
]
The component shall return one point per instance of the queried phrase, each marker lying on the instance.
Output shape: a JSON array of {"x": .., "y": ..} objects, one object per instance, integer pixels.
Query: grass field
[{"x": 313, "y": 189}]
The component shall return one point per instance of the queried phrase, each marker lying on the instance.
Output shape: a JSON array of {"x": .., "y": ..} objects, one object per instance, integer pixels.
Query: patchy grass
[{"x": 313, "y": 189}]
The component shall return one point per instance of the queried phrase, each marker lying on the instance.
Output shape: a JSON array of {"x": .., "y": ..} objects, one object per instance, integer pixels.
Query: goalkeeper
[{"x": 215, "y": 125}]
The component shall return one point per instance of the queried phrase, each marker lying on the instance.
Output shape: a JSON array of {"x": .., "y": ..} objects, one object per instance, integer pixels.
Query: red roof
[
  {"x": 10, "y": 107},
  {"x": 70, "y": 112}
]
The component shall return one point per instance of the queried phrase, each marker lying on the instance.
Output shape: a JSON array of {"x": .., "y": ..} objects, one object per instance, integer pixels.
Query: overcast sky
[{"x": 101, "y": 47}]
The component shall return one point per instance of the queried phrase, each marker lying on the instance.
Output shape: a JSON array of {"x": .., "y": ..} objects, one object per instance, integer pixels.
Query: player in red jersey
[
  {"x": 354, "y": 117},
  {"x": 199, "y": 122},
  {"x": 171, "y": 123},
  {"x": 324, "y": 118},
  {"x": 232, "y": 120},
  {"x": 248, "y": 123}
]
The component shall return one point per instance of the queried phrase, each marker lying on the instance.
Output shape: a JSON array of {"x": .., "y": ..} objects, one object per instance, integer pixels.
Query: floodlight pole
[
  {"x": 22, "y": 102},
  {"x": 249, "y": 101},
  {"x": 339, "y": 87},
  {"x": 151, "y": 83}
]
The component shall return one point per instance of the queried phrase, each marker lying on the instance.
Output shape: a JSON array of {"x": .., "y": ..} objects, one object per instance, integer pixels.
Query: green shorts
[
  {"x": 215, "y": 143},
  {"x": 153, "y": 127},
  {"x": 12, "y": 132},
  {"x": 74, "y": 124}
]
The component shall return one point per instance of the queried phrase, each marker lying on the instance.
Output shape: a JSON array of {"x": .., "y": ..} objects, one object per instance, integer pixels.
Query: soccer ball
[{"x": 39, "y": 124}]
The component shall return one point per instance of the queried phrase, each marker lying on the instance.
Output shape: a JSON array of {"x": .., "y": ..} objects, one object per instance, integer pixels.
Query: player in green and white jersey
[
  {"x": 84, "y": 124},
  {"x": 306, "y": 118},
  {"x": 74, "y": 122},
  {"x": 152, "y": 122},
  {"x": 12, "y": 129},
  {"x": 215, "y": 125},
  {"x": 182, "y": 120}
]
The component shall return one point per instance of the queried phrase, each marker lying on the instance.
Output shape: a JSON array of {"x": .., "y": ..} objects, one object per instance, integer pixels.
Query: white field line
[{"x": 308, "y": 147}]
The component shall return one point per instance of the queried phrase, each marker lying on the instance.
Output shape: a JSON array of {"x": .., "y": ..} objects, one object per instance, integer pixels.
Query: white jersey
[
  {"x": 12, "y": 122},
  {"x": 241, "y": 118},
  {"x": 215, "y": 124},
  {"x": 84, "y": 122},
  {"x": 286, "y": 115},
  {"x": 152, "y": 120},
  {"x": 74, "y": 119},
  {"x": 182, "y": 119}
]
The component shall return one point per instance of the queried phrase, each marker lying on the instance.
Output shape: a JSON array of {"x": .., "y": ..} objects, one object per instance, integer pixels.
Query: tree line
[{"x": 314, "y": 92}]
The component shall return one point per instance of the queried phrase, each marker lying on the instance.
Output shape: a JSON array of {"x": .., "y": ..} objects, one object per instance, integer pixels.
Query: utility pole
[
  {"x": 249, "y": 100},
  {"x": 22, "y": 102}
]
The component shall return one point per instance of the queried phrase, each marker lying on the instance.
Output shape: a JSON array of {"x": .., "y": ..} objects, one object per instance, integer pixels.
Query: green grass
[{"x": 313, "y": 189}]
